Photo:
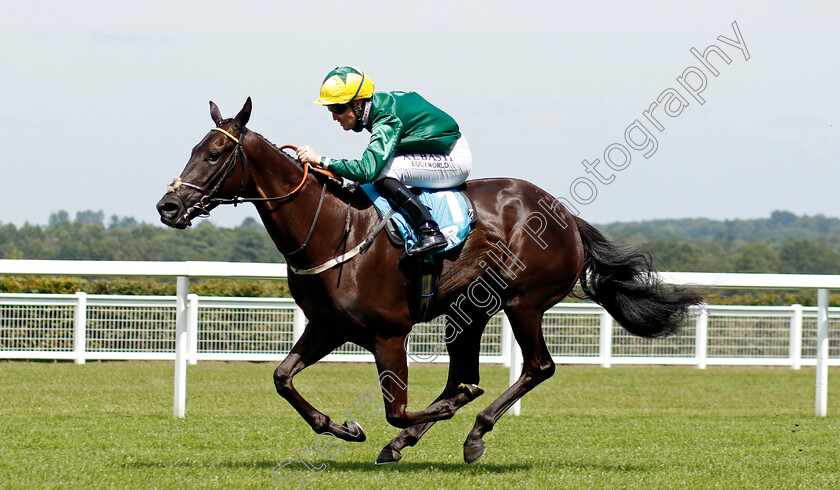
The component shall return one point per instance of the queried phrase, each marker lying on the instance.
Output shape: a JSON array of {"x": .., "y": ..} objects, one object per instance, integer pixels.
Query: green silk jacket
[{"x": 400, "y": 123}]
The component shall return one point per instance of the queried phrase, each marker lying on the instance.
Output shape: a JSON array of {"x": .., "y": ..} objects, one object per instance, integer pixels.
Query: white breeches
[{"x": 432, "y": 171}]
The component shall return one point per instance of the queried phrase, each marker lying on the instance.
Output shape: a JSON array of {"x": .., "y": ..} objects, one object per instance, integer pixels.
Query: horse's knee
[
  {"x": 398, "y": 420},
  {"x": 282, "y": 381},
  {"x": 398, "y": 417},
  {"x": 540, "y": 370},
  {"x": 546, "y": 369}
]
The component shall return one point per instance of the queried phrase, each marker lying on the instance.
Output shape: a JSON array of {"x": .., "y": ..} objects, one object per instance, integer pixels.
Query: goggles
[{"x": 338, "y": 109}]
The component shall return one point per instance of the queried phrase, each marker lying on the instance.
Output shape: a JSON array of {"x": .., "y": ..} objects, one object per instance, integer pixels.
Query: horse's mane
[{"x": 334, "y": 186}]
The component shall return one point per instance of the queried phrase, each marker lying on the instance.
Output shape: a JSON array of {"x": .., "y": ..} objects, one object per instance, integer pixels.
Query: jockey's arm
[{"x": 384, "y": 137}]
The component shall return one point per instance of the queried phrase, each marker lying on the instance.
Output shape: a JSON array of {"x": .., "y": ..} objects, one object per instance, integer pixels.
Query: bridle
[
  {"x": 209, "y": 199},
  {"x": 220, "y": 177}
]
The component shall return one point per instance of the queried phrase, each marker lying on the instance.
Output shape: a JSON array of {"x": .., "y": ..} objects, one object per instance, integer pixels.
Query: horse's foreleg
[
  {"x": 313, "y": 345},
  {"x": 392, "y": 452},
  {"x": 463, "y": 375},
  {"x": 537, "y": 367},
  {"x": 393, "y": 378}
]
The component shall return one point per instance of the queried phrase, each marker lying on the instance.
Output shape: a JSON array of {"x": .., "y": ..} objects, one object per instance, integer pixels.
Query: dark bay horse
[{"x": 524, "y": 254}]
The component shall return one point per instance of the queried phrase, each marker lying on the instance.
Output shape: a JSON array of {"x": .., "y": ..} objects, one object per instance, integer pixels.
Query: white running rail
[{"x": 85, "y": 326}]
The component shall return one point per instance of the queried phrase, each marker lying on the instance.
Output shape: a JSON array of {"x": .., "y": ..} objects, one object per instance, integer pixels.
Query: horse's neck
[{"x": 288, "y": 221}]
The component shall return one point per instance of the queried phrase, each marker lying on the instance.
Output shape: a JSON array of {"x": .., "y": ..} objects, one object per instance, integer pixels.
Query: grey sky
[{"x": 102, "y": 101}]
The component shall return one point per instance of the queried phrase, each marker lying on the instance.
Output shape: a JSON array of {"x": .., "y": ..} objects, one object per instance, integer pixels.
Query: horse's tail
[{"x": 626, "y": 284}]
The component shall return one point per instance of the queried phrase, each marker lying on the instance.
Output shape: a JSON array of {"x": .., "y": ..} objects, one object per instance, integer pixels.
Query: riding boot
[{"x": 429, "y": 237}]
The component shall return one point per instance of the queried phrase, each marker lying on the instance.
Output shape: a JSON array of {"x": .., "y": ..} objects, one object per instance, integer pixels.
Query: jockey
[{"x": 412, "y": 143}]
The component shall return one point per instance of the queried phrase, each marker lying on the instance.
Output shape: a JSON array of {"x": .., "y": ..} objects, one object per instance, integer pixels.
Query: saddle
[
  {"x": 452, "y": 209},
  {"x": 454, "y": 212}
]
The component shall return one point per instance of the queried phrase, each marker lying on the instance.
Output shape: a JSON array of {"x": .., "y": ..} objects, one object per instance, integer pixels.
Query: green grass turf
[{"x": 110, "y": 425}]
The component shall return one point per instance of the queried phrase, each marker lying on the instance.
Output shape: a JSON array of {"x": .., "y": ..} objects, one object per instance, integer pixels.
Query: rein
[{"x": 208, "y": 199}]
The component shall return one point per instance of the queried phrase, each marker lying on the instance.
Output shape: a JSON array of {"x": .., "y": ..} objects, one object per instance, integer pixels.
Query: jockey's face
[{"x": 348, "y": 118}]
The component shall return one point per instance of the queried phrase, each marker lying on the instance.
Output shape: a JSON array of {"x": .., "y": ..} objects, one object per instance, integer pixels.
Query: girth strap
[{"x": 360, "y": 248}]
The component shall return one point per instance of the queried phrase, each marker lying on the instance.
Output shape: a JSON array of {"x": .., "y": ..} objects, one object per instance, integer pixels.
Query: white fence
[
  {"x": 710, "y": 344},
  {"x": 81, "y": 327}
]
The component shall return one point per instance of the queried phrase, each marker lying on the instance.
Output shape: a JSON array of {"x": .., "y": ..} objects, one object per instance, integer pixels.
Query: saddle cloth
[{"x": 452, "y": 209}]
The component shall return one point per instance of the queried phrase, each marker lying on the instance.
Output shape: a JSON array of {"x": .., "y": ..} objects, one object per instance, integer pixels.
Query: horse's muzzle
[{"x": 172, "y": 211}]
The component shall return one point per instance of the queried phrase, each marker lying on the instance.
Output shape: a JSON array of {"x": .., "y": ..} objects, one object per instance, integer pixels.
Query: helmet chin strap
[
  {"x": 361, "y": 119},
  {"x": 362, "y": 113}
]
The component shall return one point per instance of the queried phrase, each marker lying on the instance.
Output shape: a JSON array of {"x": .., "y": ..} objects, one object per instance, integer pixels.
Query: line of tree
[
  {"x": 783, "y": 243},
  {"x": 88, "y": 238}
]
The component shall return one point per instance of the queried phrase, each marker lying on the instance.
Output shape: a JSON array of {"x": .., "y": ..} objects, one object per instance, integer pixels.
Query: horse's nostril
[{"x": 168, "y": 208}]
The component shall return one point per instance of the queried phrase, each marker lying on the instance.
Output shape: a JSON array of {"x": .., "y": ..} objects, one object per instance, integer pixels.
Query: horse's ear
[
  {"x": 245, "y": 114},
  {"x": 215, "y": 113}
]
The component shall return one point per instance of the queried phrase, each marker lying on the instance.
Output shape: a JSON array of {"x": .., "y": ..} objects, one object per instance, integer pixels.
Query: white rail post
[
  {"x": 821, "y": 408},
  {"x": 182, "y": 287},
  {"x": 80, "y": 327},
  {"x": 507, "y": 335},
  {"x": 192, "y": 328},
  {"x": 701, "y": 337},
  {"x": 298, "y": 324},
  {"x": 606, "y": 339},
  {"x": 796, "y": 337},
  {"x": 514, "y": 373}
]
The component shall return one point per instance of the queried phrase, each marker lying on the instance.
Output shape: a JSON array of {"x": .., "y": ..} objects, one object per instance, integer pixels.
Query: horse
[{"x": 524, "y": 254}]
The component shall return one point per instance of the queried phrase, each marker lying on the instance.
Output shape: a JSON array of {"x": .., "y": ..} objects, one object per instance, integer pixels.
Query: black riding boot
[{"x": 430, "y": 239}]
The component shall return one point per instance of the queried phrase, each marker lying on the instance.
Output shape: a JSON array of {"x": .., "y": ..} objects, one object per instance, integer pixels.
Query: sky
[{"x": 102, "y": 101}]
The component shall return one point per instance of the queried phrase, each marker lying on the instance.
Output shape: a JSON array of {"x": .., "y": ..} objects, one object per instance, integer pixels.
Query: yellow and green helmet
[{"x": 344, "y": 84}]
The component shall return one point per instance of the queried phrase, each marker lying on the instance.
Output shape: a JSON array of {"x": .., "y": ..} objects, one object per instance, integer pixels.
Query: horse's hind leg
[
  {"x": 537, "y": 367},
  {"x": 463, "y": 375}
]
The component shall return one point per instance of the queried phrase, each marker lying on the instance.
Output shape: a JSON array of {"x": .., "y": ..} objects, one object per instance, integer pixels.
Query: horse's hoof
[
  {"x": 388, "y": 455},
  {"x": 472, "y": 452},
  {"x": 352, "y": 432},
  {"x": 470, "y": 391}
]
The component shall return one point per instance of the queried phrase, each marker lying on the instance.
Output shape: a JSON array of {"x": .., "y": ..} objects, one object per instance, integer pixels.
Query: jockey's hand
[{"x": 308, "y": 155}]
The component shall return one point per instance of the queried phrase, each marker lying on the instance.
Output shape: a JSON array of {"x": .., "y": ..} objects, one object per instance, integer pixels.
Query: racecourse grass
[{"x": 106, "y": 425}]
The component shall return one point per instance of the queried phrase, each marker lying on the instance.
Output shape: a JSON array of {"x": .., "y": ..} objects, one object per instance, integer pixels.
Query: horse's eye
[{"x": 213, "y": 156}]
